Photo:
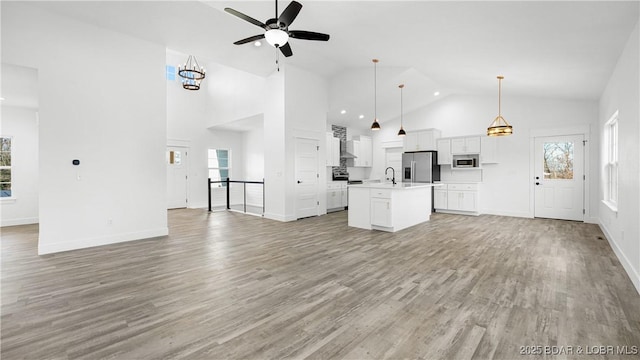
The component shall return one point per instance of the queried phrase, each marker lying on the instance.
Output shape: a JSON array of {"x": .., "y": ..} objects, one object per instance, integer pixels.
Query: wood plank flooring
[{"x": 232, "y": 286}]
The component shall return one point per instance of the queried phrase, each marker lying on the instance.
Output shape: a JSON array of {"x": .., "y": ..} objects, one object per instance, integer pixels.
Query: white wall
[
  {"x": 622, "y": 94},
  {"x": 253, "y": 148},
  {"x": 92, "y": 109},
  {"x": 507, "y": 186},
  {"x": 233, "y": 94},
  {"x": 191, "y": 113},
  {"x": 306, "y": 104},
  {"x": 275, "y": 167},
  {"x": 22, "y": 125}
]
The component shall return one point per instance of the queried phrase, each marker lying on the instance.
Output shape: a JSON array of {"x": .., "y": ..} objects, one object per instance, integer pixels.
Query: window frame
[
  {"x": 611, "y": 165},
  {"x": 10, "y": 168},
  {"x": 228, "y": 167}
]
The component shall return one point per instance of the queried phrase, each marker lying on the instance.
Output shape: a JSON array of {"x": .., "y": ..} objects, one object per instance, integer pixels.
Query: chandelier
[
  {"x": 499, "y": 126},
  {"x": 191, "y": 73}
]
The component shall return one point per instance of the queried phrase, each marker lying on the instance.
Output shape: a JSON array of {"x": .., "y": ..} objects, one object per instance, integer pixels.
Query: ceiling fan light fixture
[
  {"x": 499, "y": 126},
  {"x": 276, "y": 37}
]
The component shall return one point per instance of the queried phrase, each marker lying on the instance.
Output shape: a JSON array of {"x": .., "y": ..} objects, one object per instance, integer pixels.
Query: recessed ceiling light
[
  {"x": 361, "y": 116},
  {"x": 257, "y": 44},
  {"x": 436, "y": 93},
  {"x": 1, "y": 99},
  {"x": 343, "y": 112}
]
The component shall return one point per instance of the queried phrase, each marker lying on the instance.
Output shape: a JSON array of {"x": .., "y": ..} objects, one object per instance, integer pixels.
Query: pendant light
[
  {"x": 499, "y": 126},
  {"x": 401, "y": 132},
  {"x": 375, "y": 126}
]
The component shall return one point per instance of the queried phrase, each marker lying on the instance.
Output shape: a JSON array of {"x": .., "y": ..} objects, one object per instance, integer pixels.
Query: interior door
[
  {"x": 559, "y": 177},
  {"x": 176, "y": 177},
  {"x": 306, "y": 172}
]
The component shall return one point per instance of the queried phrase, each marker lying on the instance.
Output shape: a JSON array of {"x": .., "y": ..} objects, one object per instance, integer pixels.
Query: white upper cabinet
[
  {"x": 465, "y": 145},
  {"x": 444, "y": 151},
  {"x": 489, "y": 150},
  {"x": 333, "y": 150},
  {"x": 362, "y": 148},
  {"x": 421, "y": 140}
]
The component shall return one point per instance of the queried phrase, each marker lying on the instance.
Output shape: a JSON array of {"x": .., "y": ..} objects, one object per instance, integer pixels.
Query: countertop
[{"x": 398, "y": 186}]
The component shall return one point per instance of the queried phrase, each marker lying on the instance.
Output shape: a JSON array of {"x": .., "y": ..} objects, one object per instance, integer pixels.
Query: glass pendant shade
[
  {"x": 499, "y": 126},
  {"x": 402, "y": 132},
  {"x": 276, "y": 37},
  {"x": 375, "y": 126}
]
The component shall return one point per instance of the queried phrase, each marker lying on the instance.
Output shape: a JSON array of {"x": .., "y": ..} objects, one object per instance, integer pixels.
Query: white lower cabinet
[
  {"x": 440, "y": 198},
  {"x": 381, "y": 212},
  {"x": 457, "y": 198},
  {"x": 336, "y": 195}
]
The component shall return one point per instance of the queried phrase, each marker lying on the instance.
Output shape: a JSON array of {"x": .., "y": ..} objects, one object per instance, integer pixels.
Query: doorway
[
  {"x": 559, "y": 177},
  {"x": 307, "y": 177},
  {"x": 177, "y": 166}
]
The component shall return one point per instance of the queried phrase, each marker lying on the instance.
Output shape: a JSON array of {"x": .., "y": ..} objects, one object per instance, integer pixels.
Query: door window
[{"x": 558, "y": 160}]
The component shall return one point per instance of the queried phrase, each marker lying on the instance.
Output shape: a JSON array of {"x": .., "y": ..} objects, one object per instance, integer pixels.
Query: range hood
[{"x": 344, "y": 154}]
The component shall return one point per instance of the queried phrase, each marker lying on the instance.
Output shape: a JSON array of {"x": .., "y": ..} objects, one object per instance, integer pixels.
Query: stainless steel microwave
[{"x": 465, "y": 162}]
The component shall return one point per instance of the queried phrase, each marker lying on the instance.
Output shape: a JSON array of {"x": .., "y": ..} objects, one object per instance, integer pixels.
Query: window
[
  {"x": 558, "y": 160},
  {"x": 219, "y": 165},
  {"x": 611, "y": 165},
  {"x": 5, "y": 167}
]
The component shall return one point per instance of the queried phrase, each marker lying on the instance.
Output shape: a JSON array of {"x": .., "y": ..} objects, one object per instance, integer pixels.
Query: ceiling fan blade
[
  {"x": 286, "y": 50},
  {"x": 308, "y": 35},
  {"x": 246, "y": 18},
  {"x": 289, "y": 14},
  {"x": 249, "y": 39}
]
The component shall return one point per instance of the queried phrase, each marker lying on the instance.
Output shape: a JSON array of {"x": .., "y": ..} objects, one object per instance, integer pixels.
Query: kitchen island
[{"x": 389, "y": 207}]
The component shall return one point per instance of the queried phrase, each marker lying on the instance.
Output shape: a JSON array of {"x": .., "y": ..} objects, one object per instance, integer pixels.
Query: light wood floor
[{"x": 233, "y": 286}]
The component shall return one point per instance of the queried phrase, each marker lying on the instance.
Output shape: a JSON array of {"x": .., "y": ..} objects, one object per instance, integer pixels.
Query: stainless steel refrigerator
[{"x": 421, "y": 166}]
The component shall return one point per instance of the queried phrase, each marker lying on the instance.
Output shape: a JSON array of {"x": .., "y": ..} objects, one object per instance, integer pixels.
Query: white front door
[
  {"x": 176, "y": 177},
  {"x": 306, "y": 177},
  {"x": 559, "y": 177}
]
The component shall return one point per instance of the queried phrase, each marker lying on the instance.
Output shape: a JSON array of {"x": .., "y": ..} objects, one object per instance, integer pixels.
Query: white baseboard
[
  {"x": 626, "y": 264},
  {"x": 23, "y": 221},
  {"x": 279, "y": 217},
  {"x": 99, "y": 241},
  {"x": 506, "y": 213}
]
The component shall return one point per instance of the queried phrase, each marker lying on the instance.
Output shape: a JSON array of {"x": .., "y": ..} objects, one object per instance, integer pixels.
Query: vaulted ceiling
[{"x": 544, "y": 49}]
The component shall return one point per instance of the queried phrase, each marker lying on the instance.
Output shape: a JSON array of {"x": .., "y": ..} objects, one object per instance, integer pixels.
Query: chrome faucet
[{"x": 393, "y": 171}]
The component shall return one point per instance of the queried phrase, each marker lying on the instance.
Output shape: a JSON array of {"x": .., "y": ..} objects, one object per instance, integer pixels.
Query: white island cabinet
[{"x": 389, "y": 207}]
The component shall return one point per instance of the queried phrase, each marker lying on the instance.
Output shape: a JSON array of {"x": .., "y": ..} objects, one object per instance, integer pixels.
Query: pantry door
[{"x": 559, "y": 177}]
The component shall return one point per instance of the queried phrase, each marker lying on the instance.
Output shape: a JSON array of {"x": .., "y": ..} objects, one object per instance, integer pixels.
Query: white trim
[
  {"x": 179, "y": 143},
  {"x": 392, "y": 144},
  {"x": 519, "y": 214},
  {"x": 21, "y": 221},
  {"x": 613, "y": 207},
  {"x": 99, "y": 241},
  {"x": 626, "y": 264},
  {"x": 8, "y": 200},
  {"x": 278, "y": 217}
]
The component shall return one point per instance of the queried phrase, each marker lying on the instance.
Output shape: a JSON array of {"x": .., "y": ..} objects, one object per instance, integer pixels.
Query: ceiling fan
[{"x": 277, "y": 31}]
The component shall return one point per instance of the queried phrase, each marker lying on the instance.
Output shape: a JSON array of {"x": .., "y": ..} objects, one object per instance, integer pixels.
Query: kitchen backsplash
[{"x": 340, "y": 132}]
